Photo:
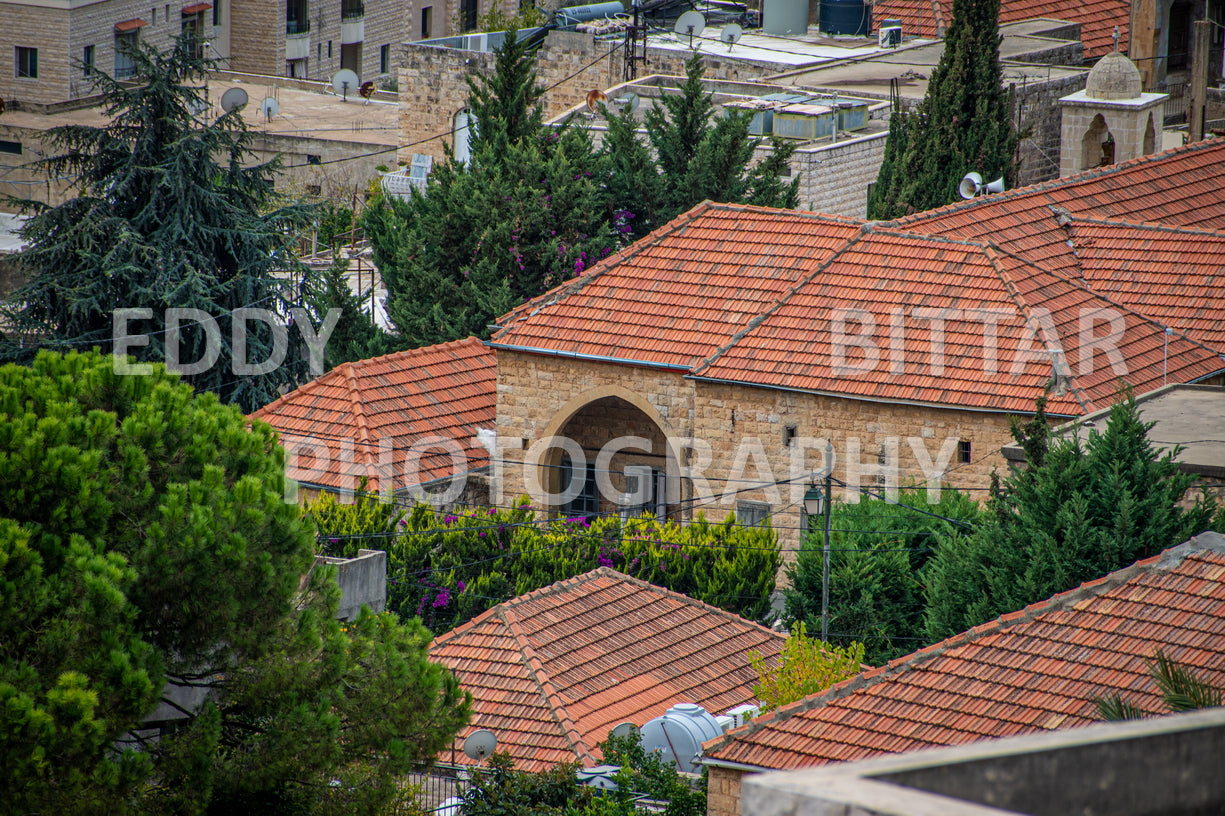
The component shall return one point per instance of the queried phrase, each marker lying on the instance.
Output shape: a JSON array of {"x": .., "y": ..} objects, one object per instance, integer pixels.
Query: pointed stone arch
[{"x": 1093, "y": 144}]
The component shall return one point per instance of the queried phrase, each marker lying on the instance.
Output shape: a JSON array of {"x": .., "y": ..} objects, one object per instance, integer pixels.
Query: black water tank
[{"x": 845, "y": 17}]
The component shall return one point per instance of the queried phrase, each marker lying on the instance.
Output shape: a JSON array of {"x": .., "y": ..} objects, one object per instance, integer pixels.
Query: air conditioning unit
[
  {"x": 890, "y": 34},
  {"x": 743, "y": 714}
]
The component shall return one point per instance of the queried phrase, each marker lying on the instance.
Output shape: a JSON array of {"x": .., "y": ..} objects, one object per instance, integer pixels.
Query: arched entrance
[
  {"x": 610, "y": 453},
  {"x": 1097, "y": 145}
]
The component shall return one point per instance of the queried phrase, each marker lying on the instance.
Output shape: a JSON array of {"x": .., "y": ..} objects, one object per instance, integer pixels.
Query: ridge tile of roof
[
  {"x": 446, "y": 391},
  {"x": 552, "y": 671},
  {"x": 1031, "y": 670},
  {"x": 678, "y": 294}
]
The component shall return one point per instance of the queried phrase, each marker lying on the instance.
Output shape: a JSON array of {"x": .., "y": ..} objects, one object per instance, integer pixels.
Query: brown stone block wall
[
  {"x": 723, "y": 792},
  {"x": 33, "y": 27},
  {"x": 257, "y": 37}
]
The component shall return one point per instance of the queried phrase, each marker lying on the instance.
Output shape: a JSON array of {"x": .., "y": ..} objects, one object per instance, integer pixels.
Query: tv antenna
[
  {"x": 480, "y": 744},
  {"x": 343, "y": 80},
  {"x": 691, "y": 23},
  {"x": 270, "y": 108},
  {"x": 731, "y": 34},
  {"x": 233, "y": 98},
  {"x": 972, "y": 185}
]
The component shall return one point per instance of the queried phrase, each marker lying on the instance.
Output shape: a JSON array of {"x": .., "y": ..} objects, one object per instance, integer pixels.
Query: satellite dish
[
  {"x": 344, "y": 81},
  {"x": 366, "y": 90},
  {"x": 623, "y": 730},
  {"x": 269, "y": 107},
  {"x": 969, "y": 185},
  {"x": 629, "y": 102},
  {"x": 691, "y": 23},
  {"x": 731, "y": 34},
  {"x": 233, "y": 98},
  {"x": 198, "y": 106},
  {"x": 480, "y": 744}
]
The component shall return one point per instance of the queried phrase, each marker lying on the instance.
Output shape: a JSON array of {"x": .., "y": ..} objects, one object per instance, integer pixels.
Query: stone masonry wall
[
  {"x": 257, "y": 37},
  {"x": 723, "y": 792},
  {"x": 46, "y": 29},
  {"x": 745, "y": 429},
  {"x": 835, "y": 177},
  {"x": 1038, "y": 111}
]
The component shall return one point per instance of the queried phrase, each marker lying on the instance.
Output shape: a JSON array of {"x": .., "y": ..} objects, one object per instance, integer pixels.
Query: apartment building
[{"x": 49, "y": 49}]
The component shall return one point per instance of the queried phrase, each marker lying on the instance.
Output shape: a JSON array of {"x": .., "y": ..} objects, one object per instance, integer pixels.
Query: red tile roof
[
  {"x": 551, "y": 672},
  {"x": 408, "y": 398},
  {"x": 675, "y": 296},
  {"x": 746, "y": 294},
  {"x": 1097, "y": 18},
  {"x": 1025, "y": 672}
]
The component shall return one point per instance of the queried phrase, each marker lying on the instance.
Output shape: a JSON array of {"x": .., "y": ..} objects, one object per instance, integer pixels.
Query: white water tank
[
  {"x": 678, "y": 735},
  {"x": 785, "y": 17}
]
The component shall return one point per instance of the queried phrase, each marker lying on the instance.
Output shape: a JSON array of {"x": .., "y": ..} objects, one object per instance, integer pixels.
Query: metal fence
[{"x": 1174, "y": 111}]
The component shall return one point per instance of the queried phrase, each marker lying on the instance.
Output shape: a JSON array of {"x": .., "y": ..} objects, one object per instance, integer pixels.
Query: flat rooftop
[
  {"x": 303, "y": 113},
  {"x": 756, "y": 47}
]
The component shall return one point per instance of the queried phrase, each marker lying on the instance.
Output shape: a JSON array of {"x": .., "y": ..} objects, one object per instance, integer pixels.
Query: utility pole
[
  {"x": 829, "y": 484},
  {"x": 1199, "y": 80}
]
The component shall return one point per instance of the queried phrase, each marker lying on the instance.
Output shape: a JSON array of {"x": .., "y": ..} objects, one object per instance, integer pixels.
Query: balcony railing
[
  {"x": 352, "y": 11},
  {"x": 293, "y": 27}
]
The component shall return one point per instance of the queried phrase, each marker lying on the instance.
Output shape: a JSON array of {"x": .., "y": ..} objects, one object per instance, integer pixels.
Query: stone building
[
  {"x": 1111, "y": 120},
  {"x": 55, "y": 46}
]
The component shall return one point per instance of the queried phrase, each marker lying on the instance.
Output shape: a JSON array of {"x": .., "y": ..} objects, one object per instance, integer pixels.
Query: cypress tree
[{"x": 963, "y": 123}]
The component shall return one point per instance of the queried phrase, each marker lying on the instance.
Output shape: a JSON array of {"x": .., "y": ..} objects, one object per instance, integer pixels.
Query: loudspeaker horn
[
  {"x": 970, "y": 185},
  {"x": 996, "y": 186}
]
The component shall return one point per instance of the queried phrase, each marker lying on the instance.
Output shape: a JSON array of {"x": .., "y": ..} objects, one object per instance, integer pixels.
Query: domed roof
[{"x": 1114, "y": 77}]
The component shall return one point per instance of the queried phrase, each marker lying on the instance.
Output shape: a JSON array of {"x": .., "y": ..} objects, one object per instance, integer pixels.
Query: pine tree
[
  {"x": 526, "y": 213},
  {"x": 963, "y": 123},
  {"x": 169, "y": 213},
  {"x": 1075, "y": 514},
  {"x": 691, "y": 155},
  {"x": 355, "y": 335},
  {"x": 145, "y": 538}
]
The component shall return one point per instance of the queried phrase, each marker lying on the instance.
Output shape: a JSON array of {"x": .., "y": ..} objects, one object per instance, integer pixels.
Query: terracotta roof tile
[
  {"x": 747, "y": 295},
  {"x": 395, "y": 401},
  {"x": 1097, "y": 18},
  {"x": 589, "y": 652},
  {"x": 1024, "y": 672}
]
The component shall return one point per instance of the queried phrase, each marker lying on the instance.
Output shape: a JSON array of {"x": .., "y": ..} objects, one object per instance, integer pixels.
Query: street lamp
[{"x": 817, "y": 502}]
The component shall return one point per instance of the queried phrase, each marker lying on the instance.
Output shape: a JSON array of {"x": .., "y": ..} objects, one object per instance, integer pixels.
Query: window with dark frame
[
  {"x": 384, "y": 59},
  {"x": 467, "y": 14},
  {"x": 752, "y": 514},
  {"x": 125, "y": 46},
  {"x": 12, "y": 148},
  {"x": 425, "y": 22},
  {"x": 964, "y": 451},
  {"x": 87, "y": 61},
  {"x": 789, "y": 434},
  {"x": 27, "y": 63}
]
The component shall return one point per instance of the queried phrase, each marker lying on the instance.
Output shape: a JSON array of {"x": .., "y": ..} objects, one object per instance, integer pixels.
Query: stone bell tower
[{"x": 1111, "y": 120}]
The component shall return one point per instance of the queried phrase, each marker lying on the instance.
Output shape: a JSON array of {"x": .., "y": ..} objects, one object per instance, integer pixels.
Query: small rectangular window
[
  {"x": 217, "y": 12},
  {"x": 87, "y": 61},
  {"x": 384, "y": 59},
  {"x": 329, "y": 49},
  {"x": 13, "y": 148},
  {"x": 752, "y": 514},
  {"x": 789, "y": 432},
  {"x": 425, "y": 22},
  {"x": 313, "y": 159},
  {"x": 313, "y": 189},
  {"x": 964, "y": 453},
  {"x": 27, "y": 62},
  {"x": 153, "y": 16}
]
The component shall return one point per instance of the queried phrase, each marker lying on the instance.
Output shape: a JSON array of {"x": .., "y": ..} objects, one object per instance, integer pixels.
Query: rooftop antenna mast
[{"x": 633, "y": 54}]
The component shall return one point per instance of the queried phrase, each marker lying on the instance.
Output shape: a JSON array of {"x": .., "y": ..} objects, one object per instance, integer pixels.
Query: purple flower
[
  {"x": 443, "y": 599},
  {"x": 579, "y": 266},
  {"x": 603, "y": 560},
  {"x": 462, "y": 586},
  {"x": 449, "y": 519},
  {"x": 492, "y": 511},
  {"x": 403, "y": 522},
  {"x": 481, "y": 534}
]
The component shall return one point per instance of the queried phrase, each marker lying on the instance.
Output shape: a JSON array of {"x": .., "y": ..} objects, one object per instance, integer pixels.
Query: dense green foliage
[
  {"x": 1074, "y": 514},
  {"x": 145, "y": 541},
  {"x": 805, "y": 666},
  {"x": 500, "y": 790},
  {"x": 878, "y": 549},
  {"x": 691, "y": 154},
  {"x": 535, "y": 206},
  {"x": 169, "y": 212},
  {"x": 449, "y": 567},
  {"x": 964, "y": 122},
  {"x": 525, "y": 213}
]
